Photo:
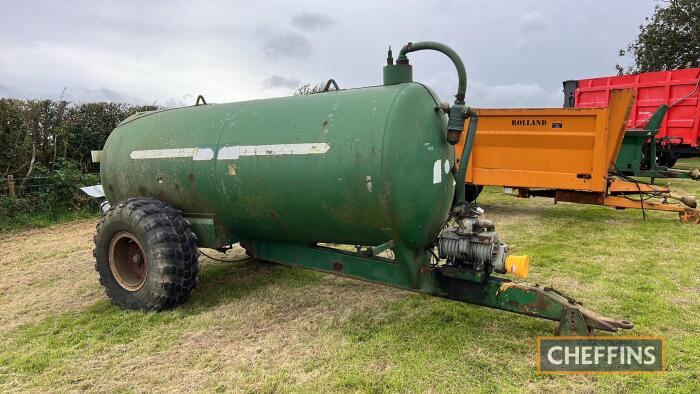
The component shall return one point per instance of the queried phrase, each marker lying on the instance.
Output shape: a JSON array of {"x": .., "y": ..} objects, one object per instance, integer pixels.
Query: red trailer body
[{"x": 679, "y": 89}]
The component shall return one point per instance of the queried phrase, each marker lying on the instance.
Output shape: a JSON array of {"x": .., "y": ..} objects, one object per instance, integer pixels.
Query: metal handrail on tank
[{"x": 331, "y": 82}]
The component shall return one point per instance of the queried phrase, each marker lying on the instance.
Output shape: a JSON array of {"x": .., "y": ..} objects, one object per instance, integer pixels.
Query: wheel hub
[{"x": 127, "y": 261}]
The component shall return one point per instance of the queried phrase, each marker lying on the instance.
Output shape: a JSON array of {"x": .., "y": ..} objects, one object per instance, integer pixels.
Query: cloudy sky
[{"x": 516, "y": 52}]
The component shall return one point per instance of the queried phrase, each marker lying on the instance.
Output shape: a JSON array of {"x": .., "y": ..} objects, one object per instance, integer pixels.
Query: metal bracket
[{"x": 573, "y": 323}]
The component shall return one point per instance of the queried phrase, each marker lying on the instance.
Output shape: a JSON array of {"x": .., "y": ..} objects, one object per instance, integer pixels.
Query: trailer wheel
[
  {"x": 471, "y": 192},
  {"x": 146, "y": 255},
  {"x": 668, "y": 159}
]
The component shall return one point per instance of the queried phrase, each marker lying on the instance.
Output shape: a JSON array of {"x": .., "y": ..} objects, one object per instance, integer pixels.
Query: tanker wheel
[{"x": 146, "y": 255}]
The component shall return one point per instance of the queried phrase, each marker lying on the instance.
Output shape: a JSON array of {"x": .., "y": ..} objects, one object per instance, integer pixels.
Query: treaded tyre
[
  {"x": 667, "y": 159},
  {"x": 146, "y": 255}
]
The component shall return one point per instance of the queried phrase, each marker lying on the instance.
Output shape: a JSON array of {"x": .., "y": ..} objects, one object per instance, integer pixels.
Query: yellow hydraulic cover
[{"x": 550, "y": 148}]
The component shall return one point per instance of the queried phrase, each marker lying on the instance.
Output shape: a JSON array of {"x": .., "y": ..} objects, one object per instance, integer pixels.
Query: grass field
[
  {"x": 255, "y": 327},
  {"x": 28, "y": 220}
]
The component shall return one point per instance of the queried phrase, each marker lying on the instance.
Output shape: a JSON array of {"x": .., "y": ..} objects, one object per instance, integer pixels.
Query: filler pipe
[
  {"x": 449, "y": 52},
  {"x": 457, "y": 116}
]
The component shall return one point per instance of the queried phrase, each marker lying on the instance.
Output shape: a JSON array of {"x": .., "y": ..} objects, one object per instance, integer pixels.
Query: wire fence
[{"x": 28, "y": 186}]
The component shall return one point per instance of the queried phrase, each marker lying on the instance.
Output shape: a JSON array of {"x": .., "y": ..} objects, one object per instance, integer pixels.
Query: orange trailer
[{"x": 567, "y": 154}]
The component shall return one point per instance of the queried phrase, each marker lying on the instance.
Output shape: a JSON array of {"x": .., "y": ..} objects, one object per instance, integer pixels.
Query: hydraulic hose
[
  {"x": 449, "y": 52},
  {"x": 466, "y": 153}
]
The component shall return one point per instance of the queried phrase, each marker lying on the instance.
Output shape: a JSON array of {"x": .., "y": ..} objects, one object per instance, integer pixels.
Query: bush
[
  {"x": 48, "y": 197},
  {"x": 42, "y": 132},
  {"x": 46, "y": 146}
]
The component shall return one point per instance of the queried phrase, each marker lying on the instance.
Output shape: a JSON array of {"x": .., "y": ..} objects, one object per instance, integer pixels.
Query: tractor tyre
[{"x": 146, "y": 255}]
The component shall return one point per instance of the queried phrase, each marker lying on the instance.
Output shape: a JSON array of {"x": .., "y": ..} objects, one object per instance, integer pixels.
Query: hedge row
[
  {"x": 45, "y": 145},
  {"x": 41, "y": 133}
]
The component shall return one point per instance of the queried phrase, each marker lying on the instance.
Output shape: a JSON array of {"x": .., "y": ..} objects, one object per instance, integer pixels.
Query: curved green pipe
[{"x": 449, "y": 52}]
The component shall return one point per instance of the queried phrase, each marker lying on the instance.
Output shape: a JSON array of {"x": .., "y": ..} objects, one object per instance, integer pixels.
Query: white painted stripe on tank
[
  {"x": 228, "y": 153},
  {"x": 437, "y": 171},
  {"x": 237, "y": 151},
  {"x": 203, "y": 154},
  {"x": 163, "y": 153},
  {"x": 231, "y": 152},
  {"x": 198, "y": 154}
]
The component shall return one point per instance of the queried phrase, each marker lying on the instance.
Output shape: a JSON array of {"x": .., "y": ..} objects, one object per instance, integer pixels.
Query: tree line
[{"x": 667, "y": 40}]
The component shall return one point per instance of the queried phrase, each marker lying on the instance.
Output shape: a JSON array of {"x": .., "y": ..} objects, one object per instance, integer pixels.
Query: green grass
[
  {"x": 252, "y": 327},
  {"x": 40, "y": 219},
  {"x": 688, "y": 162}
]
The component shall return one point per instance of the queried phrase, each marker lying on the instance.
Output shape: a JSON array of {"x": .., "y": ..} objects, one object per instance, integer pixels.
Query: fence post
[
  {"x": 11, "y": 184},
  {"x": 11, "y": 188}
]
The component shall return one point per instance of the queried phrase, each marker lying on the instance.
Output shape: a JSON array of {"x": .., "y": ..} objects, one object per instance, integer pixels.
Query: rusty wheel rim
[{"x": 127, "y": 261}]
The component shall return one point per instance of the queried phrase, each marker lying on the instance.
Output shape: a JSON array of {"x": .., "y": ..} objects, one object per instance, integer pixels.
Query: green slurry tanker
[{"x": 290, "y": 177}]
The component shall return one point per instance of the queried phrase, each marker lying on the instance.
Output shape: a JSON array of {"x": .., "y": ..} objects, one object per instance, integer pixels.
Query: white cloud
[
  {"x": 72, "y": 94},
  {"x": 531, "y": 26},
  {"x": 278, "y": 44},
  {"x": 175, "y": 102},
  {"x": 10, "y": 92},
  {"x": 518, "y": 95},
  {"x": 532, "y": 22},
  {"x": 483, "y": 94},
  {"x": 277, "y": 81},
  {"x": 81, "y": 94},
  {"x": 312, "y": 21}
]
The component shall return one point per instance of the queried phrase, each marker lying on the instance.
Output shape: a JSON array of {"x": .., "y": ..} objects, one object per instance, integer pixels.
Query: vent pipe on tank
[{"x": 401, "y": 72}]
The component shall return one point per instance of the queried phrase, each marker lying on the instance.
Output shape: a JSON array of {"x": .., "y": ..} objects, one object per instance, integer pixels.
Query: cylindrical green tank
[
  {"x": 357, "y": 166},
  {"x": 371, "y": 167}
]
